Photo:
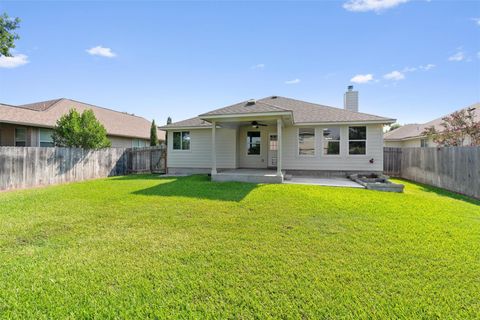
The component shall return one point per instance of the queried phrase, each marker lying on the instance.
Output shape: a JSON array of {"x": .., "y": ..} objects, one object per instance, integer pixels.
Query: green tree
[
  {"x": 153, "y": 135},
  {"x": 7, "y": 34},
  {"x": 394, "y": 126},
  {"x": 80, "y": 131}
]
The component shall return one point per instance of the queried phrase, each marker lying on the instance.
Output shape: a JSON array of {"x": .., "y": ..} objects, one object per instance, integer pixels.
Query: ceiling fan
[{"x": 256, "y": 124}]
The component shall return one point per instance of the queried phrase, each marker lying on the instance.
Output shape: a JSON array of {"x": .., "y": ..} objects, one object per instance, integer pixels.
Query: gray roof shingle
[
  {"x": 415, "y": 130},
  {"x": 303, "y": 112}
]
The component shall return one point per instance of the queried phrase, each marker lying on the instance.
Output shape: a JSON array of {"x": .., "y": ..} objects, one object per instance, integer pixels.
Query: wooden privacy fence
[
  {"x": 453, "y": 168},
  {"x": 147, "y": 159},
  {"x": 24, "y": 167}
]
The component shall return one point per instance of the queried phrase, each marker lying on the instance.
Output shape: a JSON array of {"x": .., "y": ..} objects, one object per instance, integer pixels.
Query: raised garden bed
[{"x": 378, "y": 182}]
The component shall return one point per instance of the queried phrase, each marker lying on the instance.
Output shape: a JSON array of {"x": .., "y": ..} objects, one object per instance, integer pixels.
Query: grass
[{"x": 144, "y": 247}]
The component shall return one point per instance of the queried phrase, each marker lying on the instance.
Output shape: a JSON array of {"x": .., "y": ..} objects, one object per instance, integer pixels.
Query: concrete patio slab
[
  {"x": 330, "y": 182},
  {"x": 248, "y": 175}
]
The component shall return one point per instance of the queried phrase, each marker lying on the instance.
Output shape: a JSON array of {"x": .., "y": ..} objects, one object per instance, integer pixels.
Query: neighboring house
[
  {"x": 278, "y": 133},
  {"x": 31, "y": 124},
  {"x": 410, "y": 135}
]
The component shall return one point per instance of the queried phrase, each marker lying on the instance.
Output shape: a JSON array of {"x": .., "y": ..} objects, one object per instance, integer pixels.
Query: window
[
  {"x": 181, "y": 140},
  {"x": 273, "y": 143},
  {"x": 253, "y": 142},
  {"x": 20, "y": 137},
  {"x": 46, "y": 139},
  {"x": 424, "y": 143},
  {"x": 357, "y": 137},
  {"x": 331, "y": 140},
  {"x": 306, "y": 141}
]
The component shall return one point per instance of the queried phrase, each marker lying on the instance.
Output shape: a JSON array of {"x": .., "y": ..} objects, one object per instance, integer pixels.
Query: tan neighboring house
[
  {"x": 278, "y": 133},
  {"x": 31, "y": 124},
  {"x": 410, "y": 135}
]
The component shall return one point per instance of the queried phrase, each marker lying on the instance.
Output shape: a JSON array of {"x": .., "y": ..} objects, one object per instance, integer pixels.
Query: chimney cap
[{"x": 350, "y": 87}]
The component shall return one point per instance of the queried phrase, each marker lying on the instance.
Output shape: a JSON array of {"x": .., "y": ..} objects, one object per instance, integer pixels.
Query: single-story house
[
  {"x": 411, "y": 135},
  {"x": 31, "y": 124},
  {"x": 277, "y": 133}
]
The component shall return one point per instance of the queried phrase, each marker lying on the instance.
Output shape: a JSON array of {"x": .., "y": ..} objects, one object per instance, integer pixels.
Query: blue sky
[{"x": 411, "y": 60}]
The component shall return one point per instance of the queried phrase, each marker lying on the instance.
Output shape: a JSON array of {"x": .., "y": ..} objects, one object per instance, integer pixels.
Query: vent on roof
[
  {"x": 251, "y": 102},
  {"x": 274, "y": 97}
]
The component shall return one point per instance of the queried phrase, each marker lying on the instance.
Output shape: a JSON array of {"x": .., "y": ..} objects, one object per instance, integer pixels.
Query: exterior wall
[
  {"x": 411, "y": 143},
  {"x": 254, "y": 161},
  {"x": 200, "y": 153},
  {"x": 125, "y": 142},
  {"x": 7, "y": 135},
  {"x": 341, "y": 162},
  {"x": 232, "y": 153},
  {"x": 393, "y": 144}
]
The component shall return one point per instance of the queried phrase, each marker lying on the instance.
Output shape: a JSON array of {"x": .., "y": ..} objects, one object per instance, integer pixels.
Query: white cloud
[
  {"x": 101, "y": 51},
  {"x": 459, "y": 56},
  {"x": 16, "y": 60},
  {"x": 409, "y": 69},
  {"x": 395, "y": 75},
  {"x": 362, "y": 78},
  {"x": 258, "y": 66},
  {"x": 427, "y": 66},
  {"x": 478, "y": 54},
  {"x": 477, "y": 21},
  {"x": 371, "y": 5},
  {"x": 294, "y": 81}
]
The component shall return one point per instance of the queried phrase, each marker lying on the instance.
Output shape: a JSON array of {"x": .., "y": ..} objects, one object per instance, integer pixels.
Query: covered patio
[{"x": 258, "y": 155}]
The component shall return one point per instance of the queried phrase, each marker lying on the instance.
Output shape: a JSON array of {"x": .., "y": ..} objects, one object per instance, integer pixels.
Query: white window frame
[
  {"x": 424, "y": 141},
  {"x": 15, "y": 136},
  {"x": 354, "y": 140},
  {"x": 248, "y": 144},
  {"x": 339, "y": 142},
  {"x": 181, "y": 144},
  {"x": 40, "y": 137},
  {"x": 314, "y": 143}
]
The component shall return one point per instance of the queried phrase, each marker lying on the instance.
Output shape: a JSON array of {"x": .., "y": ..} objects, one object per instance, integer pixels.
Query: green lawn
[{"x": 144, "y": 247}]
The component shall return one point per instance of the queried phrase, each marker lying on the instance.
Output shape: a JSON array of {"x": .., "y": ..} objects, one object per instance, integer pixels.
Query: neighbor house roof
[
  {"x": 46, "y": 113},
  {"x": 302, "y": 112},
  {"x": 411, "y": 131}
]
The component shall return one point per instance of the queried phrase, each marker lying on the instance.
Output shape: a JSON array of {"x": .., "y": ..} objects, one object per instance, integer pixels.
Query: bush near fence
[
  {"x": 25, "y": 167},
  {"x": 453, "y": 168}
]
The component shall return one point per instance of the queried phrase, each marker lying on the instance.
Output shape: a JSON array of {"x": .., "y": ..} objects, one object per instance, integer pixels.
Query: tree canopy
[
  {"x": 80, "y": 131},
  {"x": 153, "y": 135},
  {"x": 7, "y": 34}
]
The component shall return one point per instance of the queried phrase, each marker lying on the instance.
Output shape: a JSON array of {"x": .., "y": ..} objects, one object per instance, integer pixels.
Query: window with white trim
[
  {"x": 424, "y": 143},
  {"x": 139, "y": 143},
  {"x": 20, "y": 137},
  {"x": 253, "y": 142},
  {"x": 181, "y": 140},
  {"x": 306, "y": 141},
  {"x": 331, "y": 140},
  {"x": 46, "y": 139},
  {"x": 357, "y": 140}
]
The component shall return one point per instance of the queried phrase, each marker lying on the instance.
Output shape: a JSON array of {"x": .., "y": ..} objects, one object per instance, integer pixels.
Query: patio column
[
  {"x": 214, "y": 151},
  {"x": 279, "y": 146}
]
